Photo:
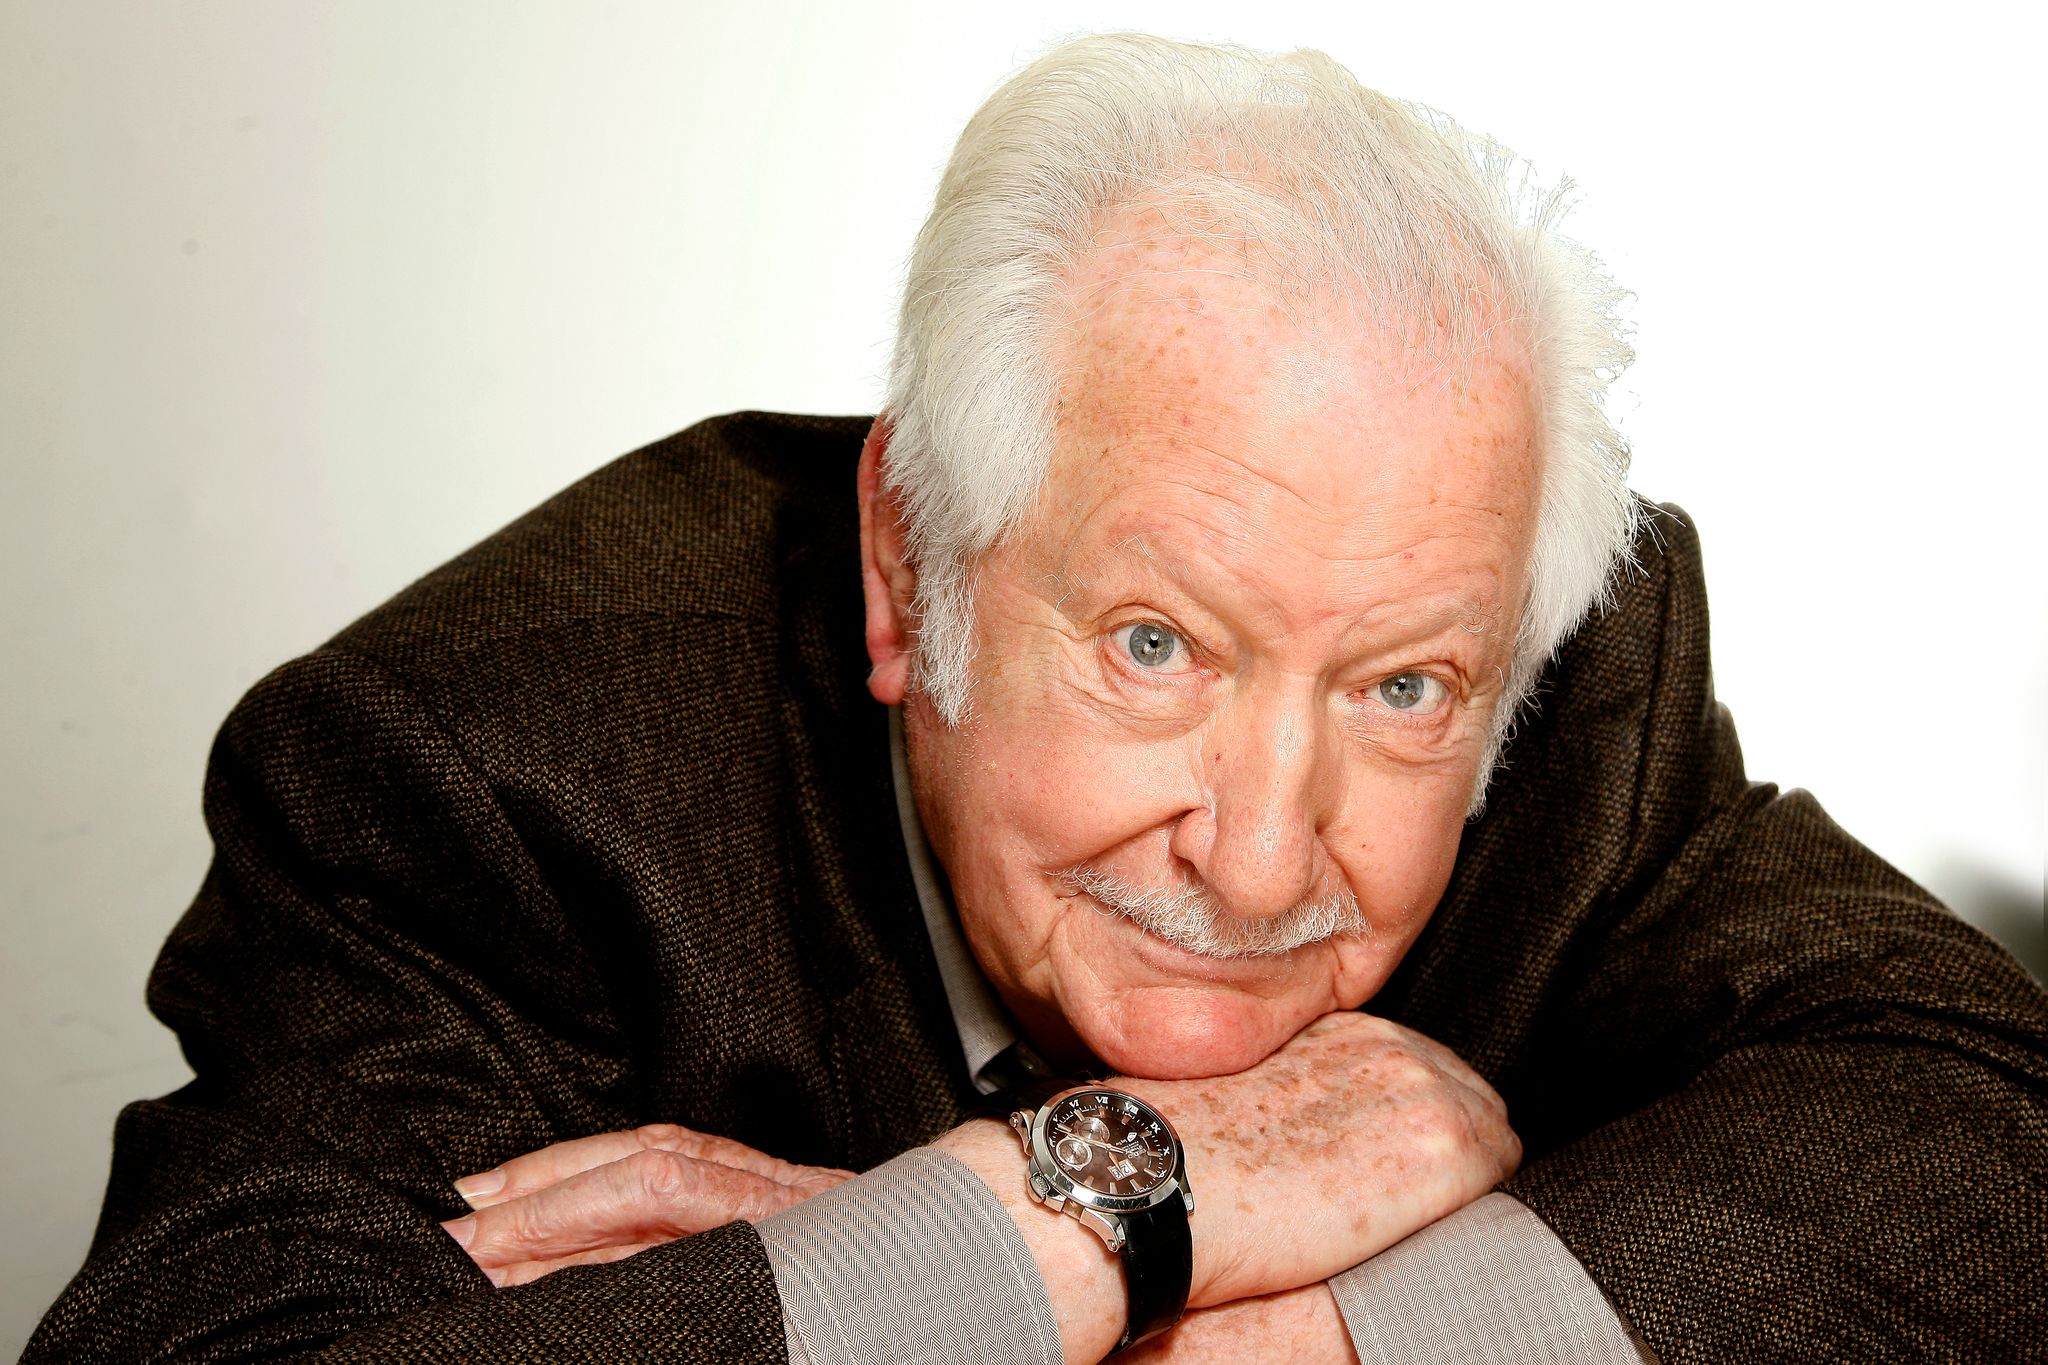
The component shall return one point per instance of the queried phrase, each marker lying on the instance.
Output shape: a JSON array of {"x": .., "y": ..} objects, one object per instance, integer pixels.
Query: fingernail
[
  {"x": 461, "y": 1229},
  {"x": 475, "y": 1187}
]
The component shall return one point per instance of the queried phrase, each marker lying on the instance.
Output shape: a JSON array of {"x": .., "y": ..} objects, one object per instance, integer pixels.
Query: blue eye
[
  {"x": 1414, "y": 693},
  {"x": 1151, "y": 645}
]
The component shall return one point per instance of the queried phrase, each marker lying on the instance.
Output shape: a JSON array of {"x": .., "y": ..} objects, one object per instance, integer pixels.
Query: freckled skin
[{"x": 1311, "y": 515}]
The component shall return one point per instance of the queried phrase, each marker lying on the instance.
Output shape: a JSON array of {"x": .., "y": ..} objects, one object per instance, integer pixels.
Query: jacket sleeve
[
  {"x": 1780, "y": 1102},
  {"x": 379, "y": 991}
]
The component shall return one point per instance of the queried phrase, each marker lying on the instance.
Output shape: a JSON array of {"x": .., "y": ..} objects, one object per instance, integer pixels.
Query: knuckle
[
  {"x": 518, "y": 1225},
  {"x": 1376, "y": 1025},
  {"x": 662, "y": 1176},
  {"x": 1448, "y": 1132},
  {"x": 1410, "y": 1071},
  {"x": 660, "y": 1136},
  {"x": 1510, "y": 1152},
  {"x": 1440, "y": 1126}
]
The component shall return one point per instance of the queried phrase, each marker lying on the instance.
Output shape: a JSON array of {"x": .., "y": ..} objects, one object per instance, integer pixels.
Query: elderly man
[{"x": 1242, "y": 482}]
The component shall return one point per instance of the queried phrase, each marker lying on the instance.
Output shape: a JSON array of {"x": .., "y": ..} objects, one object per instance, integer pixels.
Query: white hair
[{"x": 1426, "y": 228}]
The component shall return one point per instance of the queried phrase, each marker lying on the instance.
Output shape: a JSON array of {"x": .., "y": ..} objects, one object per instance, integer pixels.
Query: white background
[{"x": 301, "y": 299}]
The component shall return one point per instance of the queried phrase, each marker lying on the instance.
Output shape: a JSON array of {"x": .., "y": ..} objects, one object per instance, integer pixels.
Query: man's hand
[
  {"x": 603, "y": 1198},
  {"x": 1301, "y": 1326},
  {"x": 1354, "y": 1134}
]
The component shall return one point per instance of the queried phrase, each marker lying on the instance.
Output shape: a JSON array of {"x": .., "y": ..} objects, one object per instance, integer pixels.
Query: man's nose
[{"x": 1257, "y": 843}]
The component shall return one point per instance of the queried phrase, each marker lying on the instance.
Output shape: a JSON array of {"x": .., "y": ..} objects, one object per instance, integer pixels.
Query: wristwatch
[{"x": 1114, "y": 1162}]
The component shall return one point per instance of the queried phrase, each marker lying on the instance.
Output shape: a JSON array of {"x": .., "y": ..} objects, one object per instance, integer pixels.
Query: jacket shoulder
[{"x": 714, "y": 520}]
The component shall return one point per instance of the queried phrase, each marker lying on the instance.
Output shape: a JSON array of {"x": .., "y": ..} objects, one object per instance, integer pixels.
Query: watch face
[{"x": 1109, "y": 1143}]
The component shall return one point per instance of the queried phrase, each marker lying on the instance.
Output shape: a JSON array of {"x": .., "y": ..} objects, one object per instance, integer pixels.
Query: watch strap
[
  {"x": 1030, "y": 1095},
  {"x": 1159, "y": 1263}
]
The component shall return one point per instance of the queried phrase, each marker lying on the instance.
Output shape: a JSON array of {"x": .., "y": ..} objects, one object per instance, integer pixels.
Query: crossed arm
[{"x": 1353, "y": 1135}]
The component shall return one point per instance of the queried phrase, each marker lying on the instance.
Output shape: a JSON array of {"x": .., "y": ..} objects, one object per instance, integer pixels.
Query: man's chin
[{"x": 1171, "y": 1033}]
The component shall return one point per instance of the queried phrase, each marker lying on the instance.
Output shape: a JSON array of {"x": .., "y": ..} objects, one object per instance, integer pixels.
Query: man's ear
[{"x": 888, "y": 582}]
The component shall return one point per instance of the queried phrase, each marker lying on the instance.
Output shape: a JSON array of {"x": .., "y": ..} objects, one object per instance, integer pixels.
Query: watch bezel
[{"x": 1173, "y": 1185}]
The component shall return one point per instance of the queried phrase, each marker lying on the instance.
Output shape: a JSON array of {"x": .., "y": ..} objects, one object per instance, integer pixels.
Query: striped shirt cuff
[
  {"x": 1491, "y": 1282},
  {"x": 913, "y": 1262}
]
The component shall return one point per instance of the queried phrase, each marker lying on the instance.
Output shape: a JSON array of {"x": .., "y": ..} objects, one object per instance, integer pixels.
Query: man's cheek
[
  {"x": 1397, "y": 840},
  {"x": 1079, "y": 801}
]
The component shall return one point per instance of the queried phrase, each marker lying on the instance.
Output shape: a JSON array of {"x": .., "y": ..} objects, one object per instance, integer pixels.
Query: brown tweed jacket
[{"x": 592, "y": 827}]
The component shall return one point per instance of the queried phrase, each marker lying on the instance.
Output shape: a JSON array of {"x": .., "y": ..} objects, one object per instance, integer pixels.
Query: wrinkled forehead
[
  {"x": 1208, "y": 413},
  {"x": 1178, "y": 350}
]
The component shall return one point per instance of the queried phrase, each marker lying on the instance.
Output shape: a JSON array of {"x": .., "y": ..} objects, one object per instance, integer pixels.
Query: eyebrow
[
  {"x": 1458, "y": 613},
  {"x": 1462, "y": 613}
]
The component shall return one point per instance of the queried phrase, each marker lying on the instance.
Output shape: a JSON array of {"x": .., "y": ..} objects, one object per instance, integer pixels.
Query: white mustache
[{"x": 1189, "y": 917}]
